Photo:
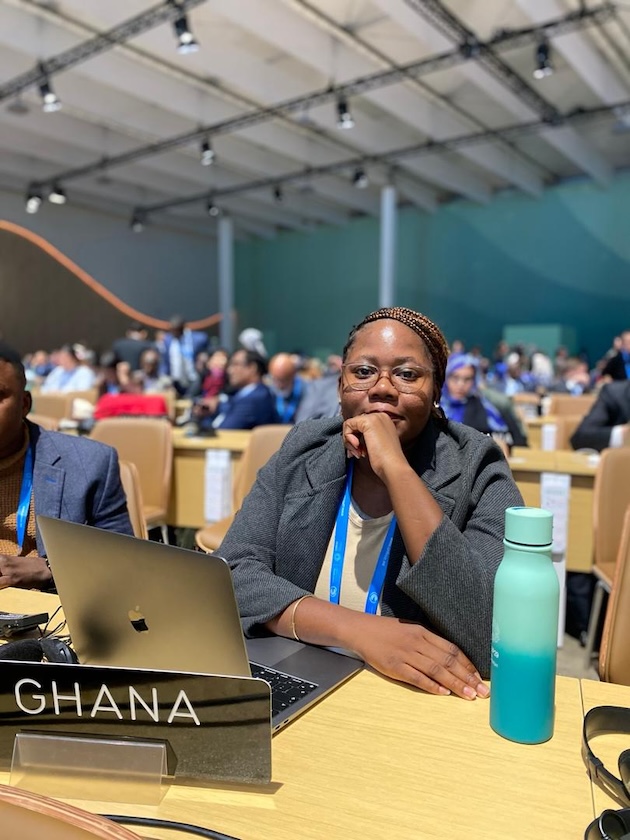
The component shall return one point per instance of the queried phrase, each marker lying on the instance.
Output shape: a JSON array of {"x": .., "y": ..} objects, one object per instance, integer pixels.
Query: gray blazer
[
  {"x": 278, "y": 540},
  {"x": 78, "y": 480}
]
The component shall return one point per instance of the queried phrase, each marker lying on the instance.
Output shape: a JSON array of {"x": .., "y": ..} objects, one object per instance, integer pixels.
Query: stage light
[
  {"x": 137, "y": 221},
  {"x": 50, "y": 100},
  {"x": 33, "y": 200},
  {"x": 360, "y": 179},
  {"x": 185, "y": 39},
  {"x": 344, "y": 116},
  {"x": 544, "y": 67},
  {"x": 57, "y": 195},
  {"x": 207, "y": 153},
  {"x": 212, "y": 209}
]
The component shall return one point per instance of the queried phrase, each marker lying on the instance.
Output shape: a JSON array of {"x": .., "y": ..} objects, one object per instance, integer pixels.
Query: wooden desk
[
  {"x": 186, "y": 508},
  {"x": 564, "y": 426},
  {"x": 378, "y": 759},
  {"x": 606, "y": 747},
  {"x": 528, "y": 464}
]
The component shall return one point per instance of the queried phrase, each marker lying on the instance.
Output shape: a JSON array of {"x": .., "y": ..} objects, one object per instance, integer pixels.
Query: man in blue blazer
[
  {"x": 250, "y": 403},
  {"x": 47, "y": 473}
]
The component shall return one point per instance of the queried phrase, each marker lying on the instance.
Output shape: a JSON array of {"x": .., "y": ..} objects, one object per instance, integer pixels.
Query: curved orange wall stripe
[{"x": 95, "y": 286}]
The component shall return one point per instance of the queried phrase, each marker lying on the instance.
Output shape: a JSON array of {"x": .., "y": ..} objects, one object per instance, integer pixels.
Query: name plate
[{"x": 216, "y": 728}]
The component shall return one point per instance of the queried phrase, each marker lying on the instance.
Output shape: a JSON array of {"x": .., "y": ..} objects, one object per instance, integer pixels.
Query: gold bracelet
[{"x": 295, "y": 606}]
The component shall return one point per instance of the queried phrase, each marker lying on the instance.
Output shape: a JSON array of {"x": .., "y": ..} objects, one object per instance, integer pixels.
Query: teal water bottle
[{"x": 525, "y": 630}]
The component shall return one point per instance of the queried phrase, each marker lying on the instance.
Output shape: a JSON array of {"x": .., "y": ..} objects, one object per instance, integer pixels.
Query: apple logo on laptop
[{"x": 137, "y": 620}]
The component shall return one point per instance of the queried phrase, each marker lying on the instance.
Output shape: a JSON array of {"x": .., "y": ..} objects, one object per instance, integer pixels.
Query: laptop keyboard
[{"x": 285, "y": 689}]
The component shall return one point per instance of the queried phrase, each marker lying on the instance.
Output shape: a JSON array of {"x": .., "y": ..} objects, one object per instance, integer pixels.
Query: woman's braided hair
[{"x": 429, "y": 332}]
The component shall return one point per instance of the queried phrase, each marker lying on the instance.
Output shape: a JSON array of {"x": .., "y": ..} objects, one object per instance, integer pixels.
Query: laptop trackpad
[{"x": 306, "y": 661}]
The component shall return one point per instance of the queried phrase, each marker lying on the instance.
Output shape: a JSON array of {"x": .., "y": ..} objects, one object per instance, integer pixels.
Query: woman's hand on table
[{"x": 412, "y": 654}]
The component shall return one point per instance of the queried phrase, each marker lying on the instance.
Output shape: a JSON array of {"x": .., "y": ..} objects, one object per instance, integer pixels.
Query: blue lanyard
[
  {"x": 339, "y": 551},
  {"x": 25, "y": 497}
]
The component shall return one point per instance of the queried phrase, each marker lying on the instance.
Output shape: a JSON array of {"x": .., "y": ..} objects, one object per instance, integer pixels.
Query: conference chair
[
  {"x": 131, "y": 485},
  {"x": 25, "y": 816},
  {"x": 611, "y": 497},
  {"x": 562, "y": 404},
  {"x": 51, "y": 424},
  {"x": 565, "y": 426},
  {"x": 55, "y": 405},
  {"x": 265, "y": 440},
  {"x": 500, "y": 442},
  {"x": 147, "y": 443},
  {"x": 614, "y": 655}
]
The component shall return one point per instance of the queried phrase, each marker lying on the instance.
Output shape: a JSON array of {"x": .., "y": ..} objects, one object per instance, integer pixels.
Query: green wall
[{"x": 562, "y": 259}]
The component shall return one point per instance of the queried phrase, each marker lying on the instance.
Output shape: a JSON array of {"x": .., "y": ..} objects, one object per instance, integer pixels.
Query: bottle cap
[{"x": 528, "y": 526}]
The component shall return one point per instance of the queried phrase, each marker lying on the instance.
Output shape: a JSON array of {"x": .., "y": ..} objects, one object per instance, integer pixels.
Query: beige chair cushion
[
  {"x": 611, "y": 497},
  {"x": 147, "y": 443},
  {"x": 131, "y": 485},
  {"x": 562, "y": 404},
  {"x": 614, "y": 657}
]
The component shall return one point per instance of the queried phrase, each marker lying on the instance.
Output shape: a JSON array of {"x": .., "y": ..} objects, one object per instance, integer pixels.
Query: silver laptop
[{"x": 132, "y": 603}]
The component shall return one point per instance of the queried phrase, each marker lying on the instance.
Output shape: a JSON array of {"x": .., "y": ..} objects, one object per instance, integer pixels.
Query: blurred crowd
[{"x": 246, "y": 388}]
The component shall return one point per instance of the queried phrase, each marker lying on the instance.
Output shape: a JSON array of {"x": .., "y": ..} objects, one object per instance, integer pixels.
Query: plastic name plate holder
[
  {"x": 105, "y": 769},
  {"x": 130, "y": 731}
]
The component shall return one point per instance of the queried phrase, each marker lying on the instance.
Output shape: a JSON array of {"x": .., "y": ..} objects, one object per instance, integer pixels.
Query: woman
[
  {"x": 462, "y": 402},
  {"x": 419, "y": 504}
]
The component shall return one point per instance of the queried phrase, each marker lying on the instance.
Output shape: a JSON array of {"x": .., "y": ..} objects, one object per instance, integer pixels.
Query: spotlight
[
  {"x": 207, "y": 153},
  {"x": 344, "y": 117},
  {"x": 185, "y": 39},
  {"x": 470, "y": 48},
  {"x": 277, "y": 194},
  {"x": 57, "y": 195},
  {"x": 50, "y": 100},
  {"x": 544, "y": 67},
  {"x": 360, "y": 179},
  {"x": 33, "y": 200},
  {"x": 212, "y": 209},
  {"x": 137, "y": 221}
]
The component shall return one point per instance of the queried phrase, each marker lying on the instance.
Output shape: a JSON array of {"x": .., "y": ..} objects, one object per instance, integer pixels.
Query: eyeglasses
[
  {"x": 610, "y": 825},
  {"x": 406, "y": 379}
]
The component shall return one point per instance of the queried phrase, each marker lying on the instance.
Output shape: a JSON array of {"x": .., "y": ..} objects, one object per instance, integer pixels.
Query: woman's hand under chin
[{"x": 373, "y": 436}]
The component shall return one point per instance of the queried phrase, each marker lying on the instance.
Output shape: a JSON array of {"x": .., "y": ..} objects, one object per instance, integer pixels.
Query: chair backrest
[
  {"x": 89, "y": 395},
  {"x": 52, "y": 405},
  {"x": 565, "y": 426},
  {"x": 611, "y": 497},
  {"x": 25, "y": 815},
  {"x": 265, "y": 440},
  {"x": 614, "y": 654},
  {"x": 131, "y": 485},
  {"x": 49, "y": 423},
  {"x": 562, "y": 404},
  {"x": 147, "y": 443}
]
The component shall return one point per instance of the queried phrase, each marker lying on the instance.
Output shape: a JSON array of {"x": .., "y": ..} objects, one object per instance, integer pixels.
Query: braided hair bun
[{"x": 429, "y": 332}]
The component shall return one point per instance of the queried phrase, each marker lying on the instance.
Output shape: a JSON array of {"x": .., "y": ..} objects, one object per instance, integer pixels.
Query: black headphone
[
  {"x": 603, "y": 720},
  {"x": 50, "y": 649}
]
